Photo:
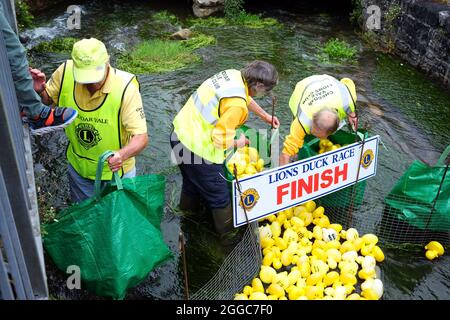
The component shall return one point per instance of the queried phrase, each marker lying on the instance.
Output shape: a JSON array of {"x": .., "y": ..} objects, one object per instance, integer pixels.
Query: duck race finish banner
[{"x": 284, "y": 187}]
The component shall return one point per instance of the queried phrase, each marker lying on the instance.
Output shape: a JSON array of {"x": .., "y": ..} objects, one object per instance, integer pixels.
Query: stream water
[{"x": 408, "y": 111}]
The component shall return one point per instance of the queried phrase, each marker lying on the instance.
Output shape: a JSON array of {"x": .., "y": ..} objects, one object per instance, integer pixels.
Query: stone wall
[
  {"x": 205, "y": 8},
  {"x": 416, "y": 30}
]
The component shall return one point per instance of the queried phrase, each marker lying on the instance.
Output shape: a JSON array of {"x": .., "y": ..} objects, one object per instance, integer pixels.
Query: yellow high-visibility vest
[
  {"x": 196, "y": 120},
  {"x": 316, "y": 92},
  {"x": 93, "y": 131}
]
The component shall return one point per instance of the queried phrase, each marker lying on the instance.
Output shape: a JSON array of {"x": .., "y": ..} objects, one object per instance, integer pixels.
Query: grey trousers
[{"x": 82, "y": 188}]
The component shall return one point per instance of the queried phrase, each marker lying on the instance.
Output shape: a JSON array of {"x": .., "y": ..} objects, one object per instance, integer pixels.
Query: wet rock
[
  {"x": 206, "y": 8},
  {"x": 183, "y": 34}
]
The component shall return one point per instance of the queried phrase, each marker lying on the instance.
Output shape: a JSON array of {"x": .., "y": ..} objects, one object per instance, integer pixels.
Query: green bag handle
[
  {"x": 98, "y": 175},
  {"x": 444, "y": 155}
]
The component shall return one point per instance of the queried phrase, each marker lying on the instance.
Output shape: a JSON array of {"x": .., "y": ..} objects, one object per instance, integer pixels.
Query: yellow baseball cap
[
  {"x": 350, "y": 85},
  {"x": 89, "y": 61}
]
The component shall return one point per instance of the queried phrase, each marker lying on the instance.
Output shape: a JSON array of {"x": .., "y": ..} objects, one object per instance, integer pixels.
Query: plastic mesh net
[
  {"x": 238, "y": 268},
  {"x": 354, "y": 207}
]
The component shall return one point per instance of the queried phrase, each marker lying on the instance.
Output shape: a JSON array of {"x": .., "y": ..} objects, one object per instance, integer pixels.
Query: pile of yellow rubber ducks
[
  {"x": 247, "y": 162},
  {"x": 434, "y": 250},
  {"x": 306, "y": 257},
  {"x": 326, "y": 145}
]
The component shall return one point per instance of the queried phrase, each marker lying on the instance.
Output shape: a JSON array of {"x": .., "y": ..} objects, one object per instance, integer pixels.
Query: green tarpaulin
[{"x": 421, "y": 197}]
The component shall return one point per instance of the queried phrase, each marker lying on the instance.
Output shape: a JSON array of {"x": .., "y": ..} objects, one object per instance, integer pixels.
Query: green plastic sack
[
  {"x": 341, "y": 198},
  {"x": 257, "y": 140},
  {"x": 412, "y": 197},
  {"x": 114, "y": 237}
]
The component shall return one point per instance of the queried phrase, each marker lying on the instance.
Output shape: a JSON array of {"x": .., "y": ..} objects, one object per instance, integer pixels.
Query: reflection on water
[{"x": 393, "y": 99}]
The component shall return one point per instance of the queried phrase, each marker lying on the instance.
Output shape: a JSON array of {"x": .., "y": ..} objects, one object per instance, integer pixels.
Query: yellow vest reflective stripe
[
  {"x": 93, "y": 131},
  {"x": 196, "y": 120},
  {"x": 316, "y": 92}
]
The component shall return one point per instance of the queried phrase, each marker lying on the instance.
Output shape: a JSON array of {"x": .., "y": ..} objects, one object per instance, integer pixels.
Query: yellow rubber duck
[
  {"x": 247, "y": 290},
  {"x": 434, "y": 250},
  {"x": 290, "y": 236},
  {"x": 275, "y": 227},
  {"x": 370, "y": 239},
  {"x": 347, "y": 246},
  {"x": 336, "y": 227},
  {"x": 267, "y": 242},
  {"x": 286, "y": 257},
  {"x": 310, "y": 206},
  {"x": 378, "y": 254},
  {"x": 354, "y": 296},
  {"x": 366, "y": 273},
  {"x": 348, "y": 279},
  {"x": 317, "y": 232},
  {"x": 240, "y": 296},
  {"x": 258, "y": 296},
  {"x": 352, "y": 234},
  {"x": 268, "y": 258},
  {"x": 276, "y": 290},
  {"x": 257, "y": 285},
  {"x": 330, "y": 278},
  {"x": 318, "y": 212},
  {"x": 431, "y": 255},
  {"x": 282, "y": 279},
  {"x": 267, "y": 274},
  {"x": 280, "y": 243},
  {"x": 329, "y": 234}
]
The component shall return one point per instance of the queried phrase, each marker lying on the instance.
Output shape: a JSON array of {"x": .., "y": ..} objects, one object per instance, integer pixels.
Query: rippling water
[{"x": 393, "y": 100}]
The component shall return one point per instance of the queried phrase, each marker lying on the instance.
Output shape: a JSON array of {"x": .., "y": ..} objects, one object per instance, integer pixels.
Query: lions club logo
[
  {"x": 249, "y": 199},
  {"x": 87, "y": 135},
  {"x": 367, "y": 158}
]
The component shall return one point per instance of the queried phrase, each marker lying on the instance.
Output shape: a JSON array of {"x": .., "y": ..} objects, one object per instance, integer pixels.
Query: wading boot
[
  {"x": 223, "y": 222},
  {"x": 188, "y": 203}
]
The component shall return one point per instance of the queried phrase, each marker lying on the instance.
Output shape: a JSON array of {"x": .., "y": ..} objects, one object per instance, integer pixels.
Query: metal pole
[
  {"x": 185, "y": 271},
  {"x": 437, "y": 196},
  {"x": 350, "y": 210},
  {"x": 240, "y": 193}
]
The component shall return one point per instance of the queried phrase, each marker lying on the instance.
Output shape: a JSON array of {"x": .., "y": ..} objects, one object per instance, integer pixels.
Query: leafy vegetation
[
  {"x": 160, "y": 55},
  {"x": 356, "y": 14},
  {"x": 233, "y": 8},
  {"x": 57, "y": 45},
  {"x": 339, "y": 50},
  {"x": 24, "y": 17},
  {"x": 165, "y": 16},
  {"x": 243, "y": 19}
]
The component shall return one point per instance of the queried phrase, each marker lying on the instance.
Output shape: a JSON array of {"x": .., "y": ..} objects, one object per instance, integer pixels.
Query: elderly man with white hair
[{"x": 319, "y": 104}]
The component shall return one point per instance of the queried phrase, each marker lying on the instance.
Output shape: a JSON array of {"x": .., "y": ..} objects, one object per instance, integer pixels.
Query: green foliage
[
  {"x": 392, "y": 13},
  {"x": 243, "y": 20},
  {"x": 57, "y": 45},
  {"x": 233, "y": 8},
  {"x": 356, "y": 14},
  {"x": 165, "y": 16},
  {"x": 158, "y": 55},
  {"x": 24, "y": 17},
  {"x": 47, "y": 212},
  {"x": 199, "y": 40},
  {"x": 338, "y": 50}
]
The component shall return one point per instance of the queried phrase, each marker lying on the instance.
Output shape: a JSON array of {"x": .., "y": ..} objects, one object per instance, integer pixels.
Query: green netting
[{"x": 311, "y": 148}]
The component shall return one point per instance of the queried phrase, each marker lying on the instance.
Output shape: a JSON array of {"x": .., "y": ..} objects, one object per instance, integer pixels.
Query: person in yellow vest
[
  {"x": 205, "y": 128},
  {"x": 110, "y": 115},
  {"x": 319, "y": 104}
]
